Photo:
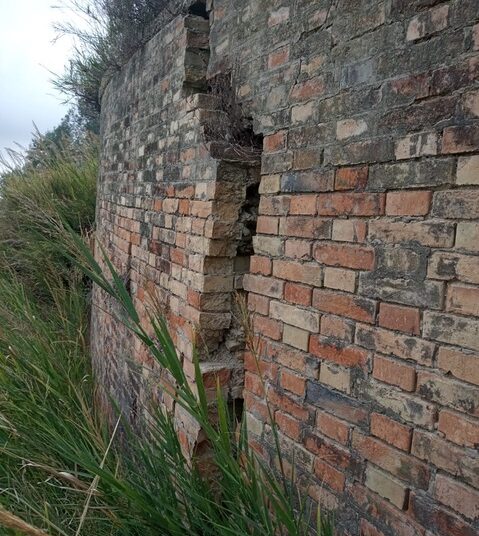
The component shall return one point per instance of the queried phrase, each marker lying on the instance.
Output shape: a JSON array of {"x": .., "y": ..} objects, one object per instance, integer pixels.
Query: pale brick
[
  {"x": 336, "y": 377},
  {"x": 296, "y": 337},
  {"x": 340, "y": 279},
  {"x": 347, "y": 128},
  {"x": 294, "y": 316},
  {"x": 386, "y": 486}
]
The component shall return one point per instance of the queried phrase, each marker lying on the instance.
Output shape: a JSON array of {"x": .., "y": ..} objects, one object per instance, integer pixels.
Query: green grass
[{"x": 61, "y": 469}]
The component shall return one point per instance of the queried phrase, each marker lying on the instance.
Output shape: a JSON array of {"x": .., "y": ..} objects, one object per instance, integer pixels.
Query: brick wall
[{"x": 364, "y": 281}]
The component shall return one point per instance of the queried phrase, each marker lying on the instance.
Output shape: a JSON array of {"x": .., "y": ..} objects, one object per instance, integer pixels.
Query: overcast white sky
[{"x": 27, "y": 54}]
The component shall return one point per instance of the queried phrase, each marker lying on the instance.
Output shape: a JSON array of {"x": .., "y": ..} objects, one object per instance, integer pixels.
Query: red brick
[
  {"x": 286, "y": 404},
  {"x": 347, "y": 305},
  {"x": 415, "y": 203},
  {"x": 305, "y": 227},
  {"x": 351, "y": 204},
  {"x": 461, "y": 139},
  {"x": 394, "y": 373},
  {"x": 463, "y": 299},
  {"x": 298, "y": 249},
  {"x": 313, "y": 87},
  {"x": 332, "y": 427},
  {"x": 337, "y": 327},
  {"x": 308, "y": 273},
  {"x": 278, "y": 58},
  {"x": 267, "y": 225},
  {"x": 391, "y": 431},
  {"x": 348, "y": 356},
  {"x": 369, "y": 530},
  {"x": 423, "y": 509},
  {"x": 252, "y": 383},
  {"x": 260, "y": 265},
  {"x": 329, "y": 475},
  {"x": 351, "y": 178},
  {"x": 344, "y": 255},
  {"x": 303, "y": 204},
  {"x": 392, "y": 460},
  {"x": 300, "y": 294},
  {"x": 397, "y": 522},
  {"x": 288, "y": 425},
  {"x": 275, "y": 142},
  {"x": 258, "y": 304},
  {"x": 459, "y": 429},
  {"x": 287, "y": 357},
  {"x": 457, "y": 496},
  {"x": 268, "y": 327},
  {"x": 293, "y": 383},
  {"x": 406, "y": 319}
]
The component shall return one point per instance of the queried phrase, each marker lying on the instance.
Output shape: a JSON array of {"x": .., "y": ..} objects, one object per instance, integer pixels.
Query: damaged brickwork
[{"x": 339, "y": 190}]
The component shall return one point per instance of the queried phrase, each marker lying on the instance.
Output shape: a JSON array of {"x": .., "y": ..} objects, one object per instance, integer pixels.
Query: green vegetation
[{"x": 62, "y": 469}]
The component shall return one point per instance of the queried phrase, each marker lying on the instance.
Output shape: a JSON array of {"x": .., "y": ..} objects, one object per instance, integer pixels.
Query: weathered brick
[
  {"x": 467, "y": 236},
  {"x": 461, "y": 139},
  {"x": 336, "y": 377},
  {"x": 307, "y": 273},
  {"x": 397, "y": 317},
  {"x": 428, "y": 233},
  {"x": 390, "y": 343},
  {"x": 391, "y": 460},
  {"x": 350, "y": 204},
  {"x": 390, "y": 431},
  {"x": 294, "y": 316},
  {"x": 460, "y": 364},
  {"x": 270, "y": 184},
  {"x": 307, "y": 158},
  {"x": 429, "y": 514},
  {"x": 460, "y": 498},
  {"x": 329, "y": 475},
  {"x": 337, "y": 327},
  {"x": 305, "y": 227},
  {"x": 463, "y": 299},
  {"x": 340, "y": 405},
  {"x": 348, "y": 128},
  {"x": 279, "y": 16},
  {"x": 299, "y": 294},
  {"x": 351, "y": 178},
  {"x": 416, "y": 145},
  {"x": 456, "y": 204},
  {"x": 267, "y": 225},
  {"x": 468, "y": 170},
  {"x": 267, "y": 327},
  {"x": 369, "y": 530},
  {"x": 386, "y": 486},
  {"x": 260, "y": 265},
  {"x": 348, "y": 356},
  {"x": 296, "y": 337},
  {"x": 413, "y": 203},
  {"x": 400, "y": 404},
  {"x": 394, "y": 373},
  {"x": 346, "y": 305},
  {"x": 451, "y": 329},
  {"x": 308, "y": 181},
  {"x": 459, "y": 429},
  {"x": 444, "y": 265},
  {"x": 292, "y": 382},
  {"x": 265, "y": 286},
  {"x": 344, "y": 255},
  {"x": 278, "y": 58},
  {"x": 340, "y": 279},
  {"x": 349, "y": 230},
  {"x": 288, "y": 425},
  {"x": 268, "y": 245},
  {"x": 427, "y": 23},
  {"x": 298, "y": 249},
  {"x": 303, "y": 204},
  {"x": 446, "y": 456},
  {"x": 332, "y": 427},
  {"x": 275, "y": 142},
  {"x": 396, "y": 522}
]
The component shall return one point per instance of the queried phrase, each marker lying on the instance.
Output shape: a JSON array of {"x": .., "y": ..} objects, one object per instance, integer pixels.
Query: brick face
[{"x": 354, "y": 234}]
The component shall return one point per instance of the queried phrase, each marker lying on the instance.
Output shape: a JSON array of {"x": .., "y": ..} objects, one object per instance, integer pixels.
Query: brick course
[{"x": 363, "y": 269}]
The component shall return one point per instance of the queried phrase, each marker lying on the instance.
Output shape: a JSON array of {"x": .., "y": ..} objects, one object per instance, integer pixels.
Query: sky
[{"x": 28, "y": 57}]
